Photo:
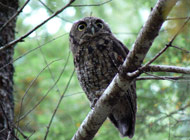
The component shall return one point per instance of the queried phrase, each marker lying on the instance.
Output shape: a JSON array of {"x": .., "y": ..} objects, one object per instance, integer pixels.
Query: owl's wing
[
  {"x": 125, "y": 122},
  {"x": 119, "y": 53}
]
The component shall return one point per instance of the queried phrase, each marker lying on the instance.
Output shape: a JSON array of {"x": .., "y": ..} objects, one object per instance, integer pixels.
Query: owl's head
[{"x": 87, "y": 28}]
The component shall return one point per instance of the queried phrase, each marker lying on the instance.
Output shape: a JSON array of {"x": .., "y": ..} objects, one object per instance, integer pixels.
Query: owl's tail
[
  {"x": 123, "y": 115},
  {"x": 126, "y": 126}
]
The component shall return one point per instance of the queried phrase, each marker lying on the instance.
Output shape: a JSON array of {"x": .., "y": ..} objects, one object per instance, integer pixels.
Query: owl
[{"x": 98, "y": 55}]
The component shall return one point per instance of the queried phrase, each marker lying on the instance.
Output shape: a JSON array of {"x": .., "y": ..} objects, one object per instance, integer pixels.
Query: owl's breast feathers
[{"x": 96, "y": 63}]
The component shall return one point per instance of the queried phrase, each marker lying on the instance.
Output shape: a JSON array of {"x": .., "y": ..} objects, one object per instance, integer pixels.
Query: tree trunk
[{"x": 7, "y": 9}]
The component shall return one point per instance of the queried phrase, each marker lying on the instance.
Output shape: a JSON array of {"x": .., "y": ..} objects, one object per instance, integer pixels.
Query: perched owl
[{"x": 97, "y": 58}]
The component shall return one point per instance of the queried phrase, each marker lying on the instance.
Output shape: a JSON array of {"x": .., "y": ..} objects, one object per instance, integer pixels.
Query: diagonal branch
[
  {"x": 52, "y": 11},
  {"x": 104, "y": 105},
  {"x": 35, "y": 28}
]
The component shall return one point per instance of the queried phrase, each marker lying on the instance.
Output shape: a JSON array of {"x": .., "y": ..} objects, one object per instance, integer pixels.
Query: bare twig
[
  {"x": 99, "y": 4},
  {"x": 167, "y": 45},
  {"x": 35, "y": 28},
  {"x": 20, "y": 131},
  {"x": 184, "y": 50},
  {"x": 32, "y": 50},
  {"x": 58, "y": 104},
  {"x": 26, "y": 92},
  {"x": 157, "y": 55},
  {"x": 74, "y": 94},
  {"x": 53, "y": 11},
  {"x": 36, "y": 105},
  {"x": 166, "y": 68},
  {"x": 172, "y": 113},
  {"x": 177, "y": 18},
  {"x": 31, "y": 135},
  {"x": 170, "y": 43},
  {"x": 14, "y": 16},
  {"x": 125, "y": 33},
  {"x": 164, "y": 78},
  {"x": 45, "y": 61}
]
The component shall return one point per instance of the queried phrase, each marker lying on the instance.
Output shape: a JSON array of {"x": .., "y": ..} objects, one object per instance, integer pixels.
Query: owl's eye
[
  {"x": 81, "y": 26},
  {"x": 99, "y": 24}
]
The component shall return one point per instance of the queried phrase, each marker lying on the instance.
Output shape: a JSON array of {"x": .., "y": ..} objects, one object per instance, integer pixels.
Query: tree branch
[
  {"x": 121, "y": 82},
  {"x": 166, "y": 68},
  {"x": 35, "y": 28},
  {"x": 164, "y": 78},
  {"x": 52, "y": 11}
]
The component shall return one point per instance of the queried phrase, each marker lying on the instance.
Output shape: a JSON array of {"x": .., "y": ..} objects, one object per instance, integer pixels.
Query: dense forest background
[{"x": 44, "y": 67}]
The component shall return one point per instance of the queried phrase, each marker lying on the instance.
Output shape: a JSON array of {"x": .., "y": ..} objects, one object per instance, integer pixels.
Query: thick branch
[
  {"x": 104, "y": 105},
  {"x": 148, "y": 34}
]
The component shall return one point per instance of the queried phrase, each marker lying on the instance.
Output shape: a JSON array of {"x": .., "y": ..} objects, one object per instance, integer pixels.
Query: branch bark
[
  {"x": 6, "y": 73},
  {"x": 166, "y": 68},
  {"x": 174, "y": 78},
  {"x": 122, "y": 81}
]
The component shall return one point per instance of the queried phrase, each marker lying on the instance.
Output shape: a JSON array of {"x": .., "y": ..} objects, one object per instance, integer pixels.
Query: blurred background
[{"x": 44, "y": 66}]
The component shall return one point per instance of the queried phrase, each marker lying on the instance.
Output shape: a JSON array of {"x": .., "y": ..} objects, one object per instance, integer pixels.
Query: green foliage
[{"x": 156, "y": 99}]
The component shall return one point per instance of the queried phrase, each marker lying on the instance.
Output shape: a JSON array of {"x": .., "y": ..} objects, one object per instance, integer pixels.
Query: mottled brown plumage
[{"x": 97, "y": 58}]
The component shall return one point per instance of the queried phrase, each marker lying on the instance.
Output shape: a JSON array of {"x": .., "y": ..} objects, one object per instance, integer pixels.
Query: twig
[
  {"x": 164, "y": 78},
  {"x": 167, "y": 45},
  {"x": 45, "y": 61},
  {"x": 99, "y": 4},
  {"x": 172, "y": 113},
  {"x": 20, "y": 131},
  {"x": 170, "y": 43},
  {"x": 159, "y": 68},
  {"x": 35, "y": 28},
  {"x": 166, "y": 68},
  {"x": 31, "y": 135},
  {"x": 14, "y": 16},
  {"x": 36, "y": 105},
  {"x": 177, "y": 18},
  {"x": 156, "y": 56},
  {"x": 52, "y": 11},
  {"x": 26, "y": 92},
  {"x": 73, "y": 94},
  {"x": 28, "y": 52},
  {"x": 58, "y": 104},
  {"x": 186, "y": 51},
  {"x": 125, "y": 33}
]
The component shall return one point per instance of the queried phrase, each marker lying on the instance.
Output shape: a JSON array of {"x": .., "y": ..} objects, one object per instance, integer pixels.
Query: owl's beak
[{"x": 93, "y": 30}]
